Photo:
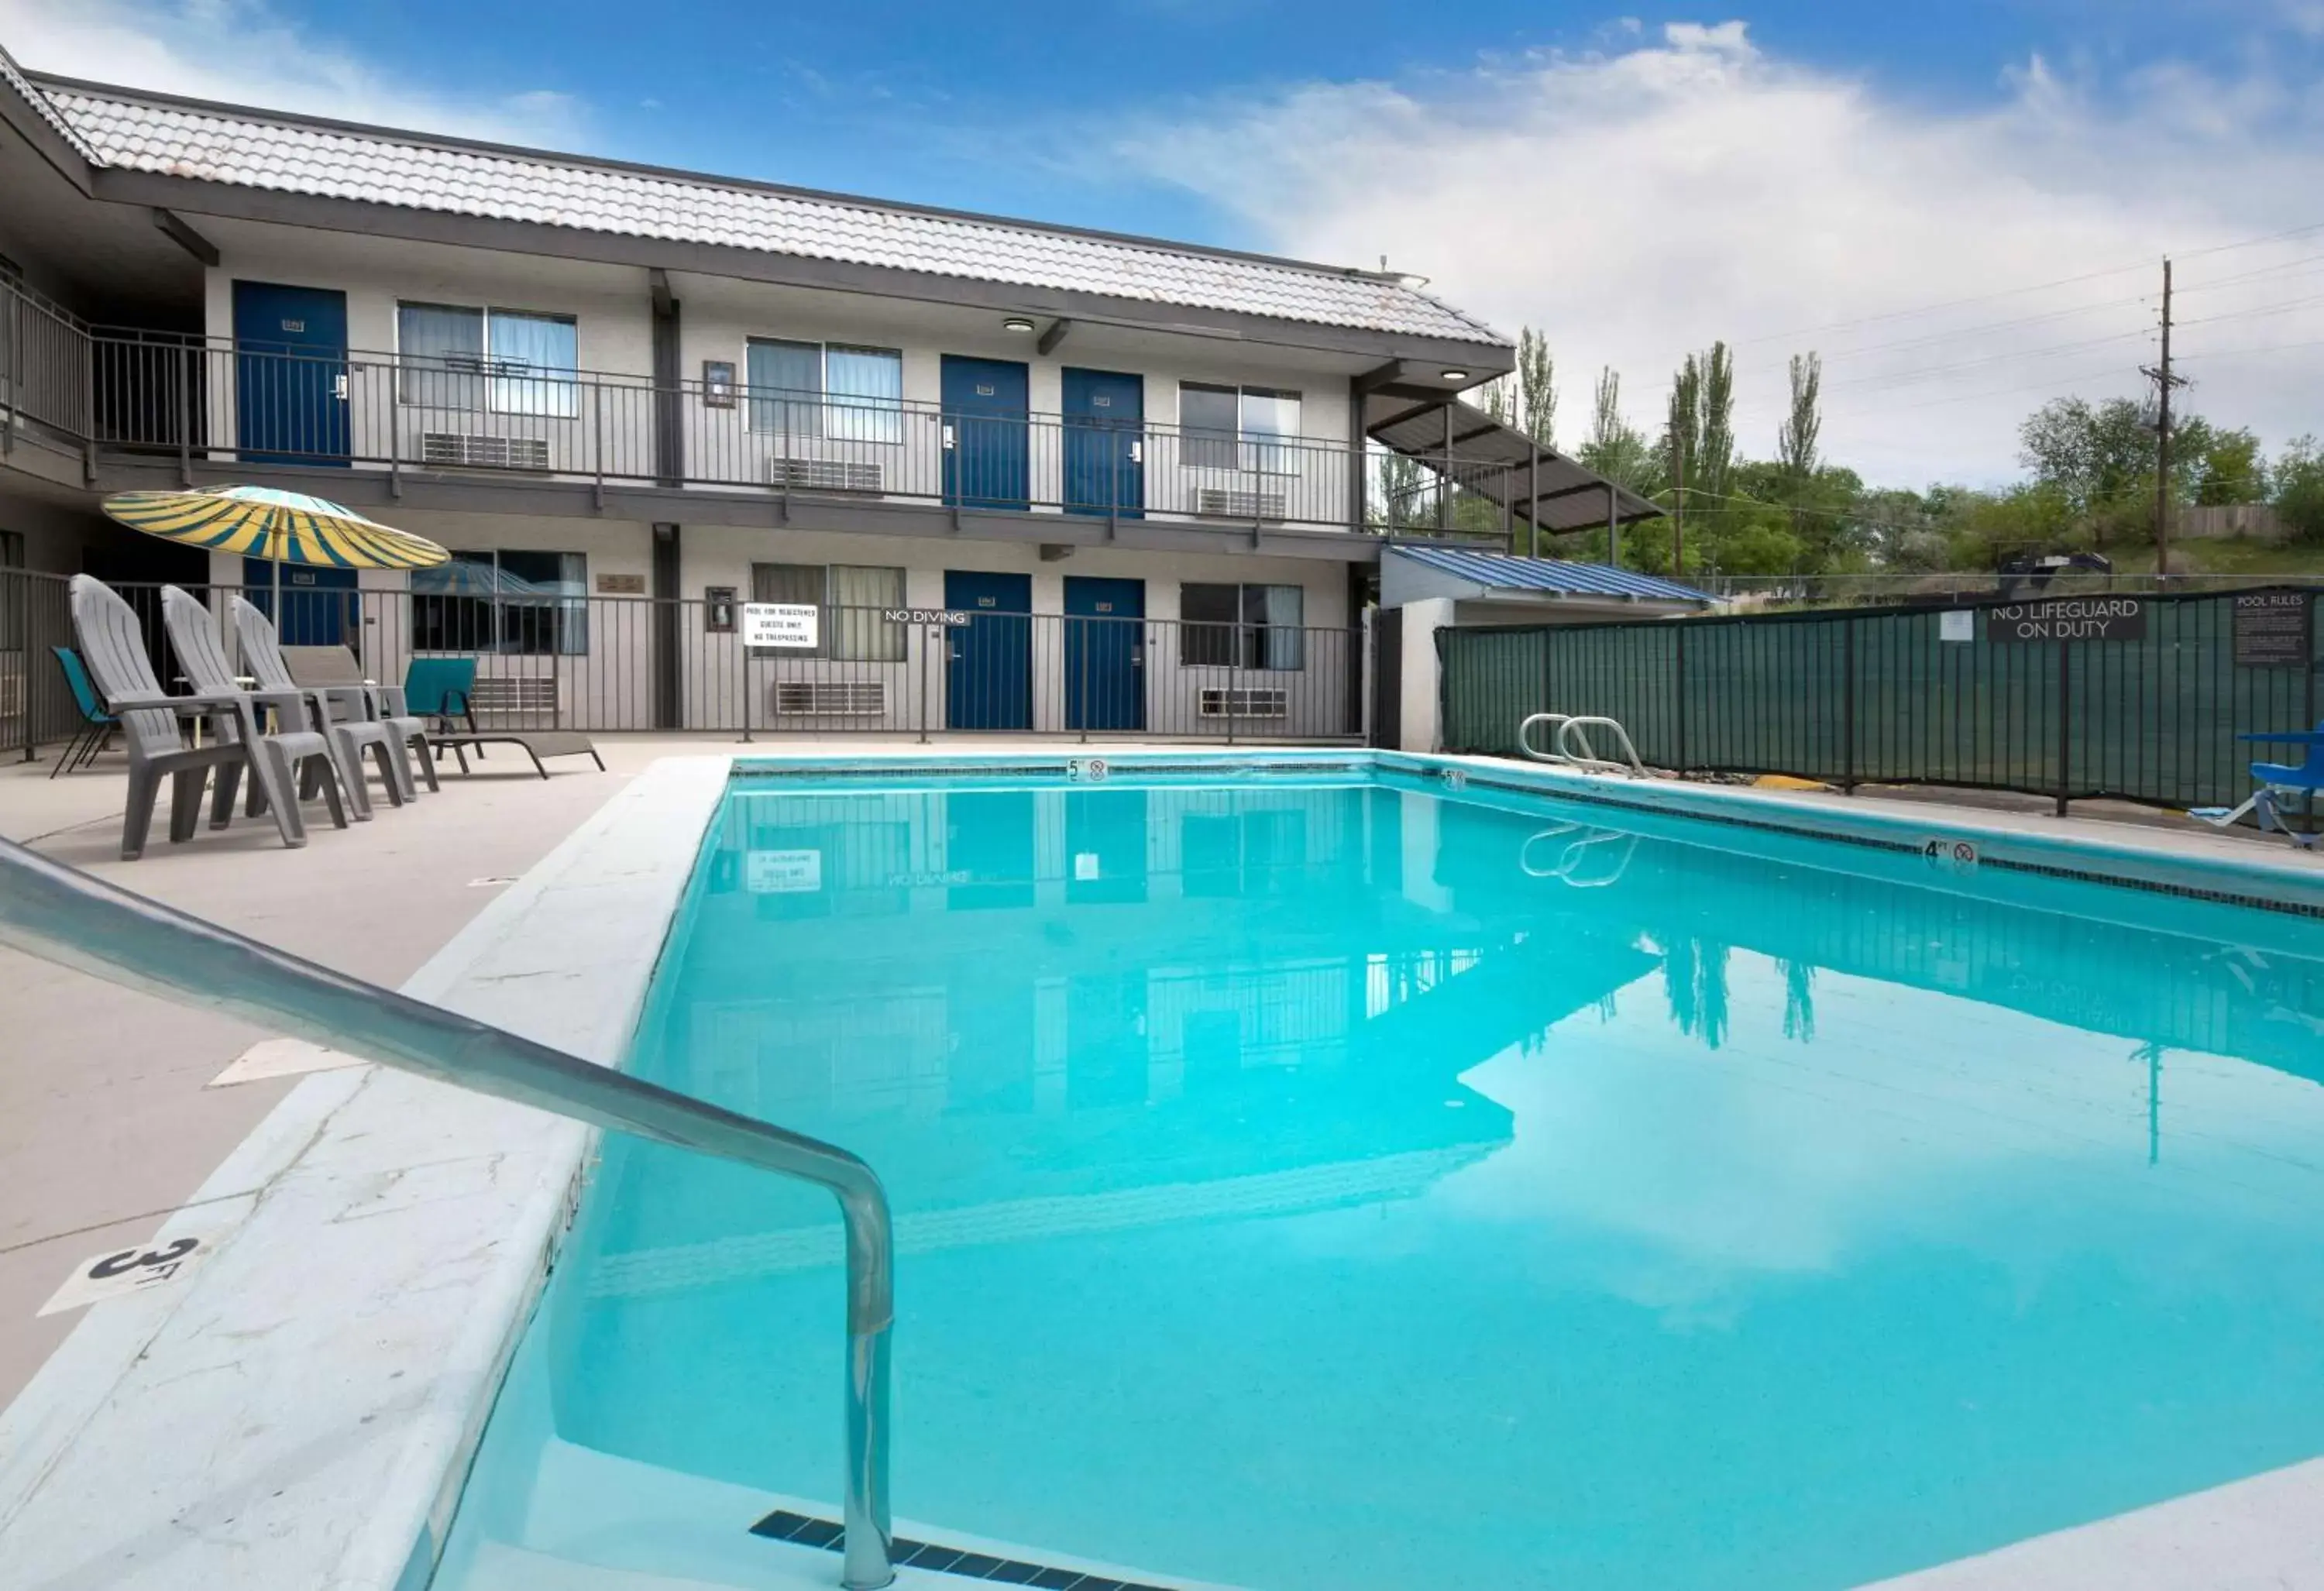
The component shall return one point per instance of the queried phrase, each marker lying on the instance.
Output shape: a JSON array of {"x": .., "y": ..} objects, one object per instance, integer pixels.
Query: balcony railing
[{"x": 201, "y": 400}]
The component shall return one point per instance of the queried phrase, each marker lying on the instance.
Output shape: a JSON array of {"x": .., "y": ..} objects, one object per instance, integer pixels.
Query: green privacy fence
[{"x": 2136, "y": 698}]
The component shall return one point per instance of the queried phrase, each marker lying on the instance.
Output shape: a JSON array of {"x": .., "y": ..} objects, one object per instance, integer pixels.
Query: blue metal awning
[{"x": 1504, "y": 572}]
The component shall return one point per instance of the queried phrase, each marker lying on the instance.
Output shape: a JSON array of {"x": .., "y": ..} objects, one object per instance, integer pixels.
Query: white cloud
[
  {"x": 1639, "y": 202},
  {"x": 237, "y": 51}
]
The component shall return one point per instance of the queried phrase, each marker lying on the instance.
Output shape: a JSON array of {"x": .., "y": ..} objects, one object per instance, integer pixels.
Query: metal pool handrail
[{"x": 64, "y": 916}]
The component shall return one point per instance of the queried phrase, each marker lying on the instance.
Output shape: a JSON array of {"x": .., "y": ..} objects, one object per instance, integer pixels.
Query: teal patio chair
[
  {"x": 444, "y": 689},
  {"x": 96, "y": 725}
]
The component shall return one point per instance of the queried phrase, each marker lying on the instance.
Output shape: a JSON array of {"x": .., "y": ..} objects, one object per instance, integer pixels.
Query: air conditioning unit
[
  {"x": 530, "y": 696},
  {"x": 1258, "y": 702},
  {"x": 468, "y": 450},
  {"x": 1218, "y": 502},
  {"x": 826, "y": 475},
  {"x": 831, "y": 698}
]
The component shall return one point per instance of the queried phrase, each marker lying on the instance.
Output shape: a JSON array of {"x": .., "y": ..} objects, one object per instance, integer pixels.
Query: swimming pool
[{"x": 1323, "y": 1179}]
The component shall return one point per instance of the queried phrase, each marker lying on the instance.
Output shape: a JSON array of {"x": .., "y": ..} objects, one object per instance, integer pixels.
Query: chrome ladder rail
[
  {"x": 1573, "y": 747},
  {"x": 1573, "y": 740},
  {"x": 64, "y": 916}
]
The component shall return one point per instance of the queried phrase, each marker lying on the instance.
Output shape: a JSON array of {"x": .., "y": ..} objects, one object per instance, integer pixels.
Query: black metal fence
[
  {"x": 1882, "y": 695},
  {"x": 553, "y": 660}
]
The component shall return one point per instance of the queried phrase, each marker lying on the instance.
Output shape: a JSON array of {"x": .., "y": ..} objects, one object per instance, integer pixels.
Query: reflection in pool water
[{"x": 1351, "y": 1187}]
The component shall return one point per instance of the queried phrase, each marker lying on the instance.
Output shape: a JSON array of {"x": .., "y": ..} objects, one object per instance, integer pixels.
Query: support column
[
  {"x": 670, "y": 410},
  {"x": 668, "y": 630}
]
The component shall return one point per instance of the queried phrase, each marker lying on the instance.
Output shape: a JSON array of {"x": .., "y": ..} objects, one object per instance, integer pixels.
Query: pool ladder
[
  {"x": 63, "y": 916},
  {"x": 1571, "y": 745}
]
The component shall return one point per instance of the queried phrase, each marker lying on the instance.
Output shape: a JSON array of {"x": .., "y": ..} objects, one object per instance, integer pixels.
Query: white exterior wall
[
  {"x": 1416, "y": 721},
  {"x": 719, "y": 556},
  {"x": 613, "y": 331},
  {"x": 611, "y": 686},
  {"x": 614, "y": 425}
]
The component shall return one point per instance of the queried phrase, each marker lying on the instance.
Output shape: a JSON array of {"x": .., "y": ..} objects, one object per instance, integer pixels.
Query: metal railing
[
  {"x": 1912, "y": 696},
  {"x": 559, "y": 659},
  {"x": 200, "y": 399},
  {"x": 63, "y": 916}
]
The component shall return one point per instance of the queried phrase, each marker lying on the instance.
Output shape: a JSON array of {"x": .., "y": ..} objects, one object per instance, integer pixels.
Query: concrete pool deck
[{"x": 111, "y": 1127}]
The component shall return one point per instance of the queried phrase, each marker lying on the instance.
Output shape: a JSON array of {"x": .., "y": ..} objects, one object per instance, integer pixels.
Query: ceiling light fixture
[
  {"x": 1455, "y": 375},
  {"x": 1017, "y": 323}
]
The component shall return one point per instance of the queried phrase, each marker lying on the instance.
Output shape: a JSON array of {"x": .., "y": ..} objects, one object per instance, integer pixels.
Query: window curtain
[
  {"x": 860, "y": 634},
  {"x": 1270, "y": 422},
  {"x": 866, "y": 386},
  {"x": 786, "y": 382},
  {"x": 1276, "y": 614},
  {"x": 572, "y": 603},
  {"x": 439, "y": 353},
  {"x": 535, "y": 364},
  {"x": 1207, "y": 427}
]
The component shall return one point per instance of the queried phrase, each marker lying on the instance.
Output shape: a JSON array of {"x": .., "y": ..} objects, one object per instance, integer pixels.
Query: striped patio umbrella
[{"x": 282, "y": 527}]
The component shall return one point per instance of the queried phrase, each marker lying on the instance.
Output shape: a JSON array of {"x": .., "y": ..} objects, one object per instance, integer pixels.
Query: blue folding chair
[
  {"x": 2278, "y": 782},
  {"x": 96, "y": 725}
]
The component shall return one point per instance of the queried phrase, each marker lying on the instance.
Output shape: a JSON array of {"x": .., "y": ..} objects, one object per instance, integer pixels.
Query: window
[
  {"x": 809, "y": 390},
  {"x": 1238, "y": 428},
  {"x": 853, "y": 599},
  {"x": 513, "y": 601},
  {"x": 1243, "y": 626},
  {"x": 500, "y": 361}
]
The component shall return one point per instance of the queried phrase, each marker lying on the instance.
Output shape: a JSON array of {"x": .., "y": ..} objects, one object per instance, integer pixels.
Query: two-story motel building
[{"x": 630, "y": 400}]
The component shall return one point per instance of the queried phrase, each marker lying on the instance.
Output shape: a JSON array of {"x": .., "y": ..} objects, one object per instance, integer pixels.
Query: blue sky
[
  {"x": 1961, "y": 207},
  {"x": 990, "y": 104}
]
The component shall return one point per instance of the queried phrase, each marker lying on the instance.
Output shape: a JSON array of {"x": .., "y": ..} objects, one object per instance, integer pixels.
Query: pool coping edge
[{"x": 355, "y": 1492}]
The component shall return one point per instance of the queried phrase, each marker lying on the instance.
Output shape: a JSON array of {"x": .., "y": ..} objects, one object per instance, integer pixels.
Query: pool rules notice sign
[
  {"x": 780, "y": 624},
  {"x": 2069, "y": 619},
  {"x": 2272, "y": 630}
]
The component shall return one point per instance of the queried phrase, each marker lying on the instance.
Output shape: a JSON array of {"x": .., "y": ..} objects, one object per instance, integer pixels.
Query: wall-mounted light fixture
[{"x": 1017, "y": 323}]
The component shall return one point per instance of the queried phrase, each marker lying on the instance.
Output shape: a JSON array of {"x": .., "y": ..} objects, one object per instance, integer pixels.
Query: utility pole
[
  {"x": 2160, "y": 375},
  {"x": 1678, "y": 516}
]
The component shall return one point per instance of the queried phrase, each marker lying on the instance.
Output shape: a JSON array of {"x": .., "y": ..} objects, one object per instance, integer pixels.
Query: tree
[
  {"x": 1617, "y": 449},
  {"x": 2100, "y": 460},
  {"x": 1537, "y": 388},
  {"x": 2300, "y": 490},
  {"x": 1796, "y": 437},
  {"x": 2228, "y": 469},
  {"x": 1717, "y": 431},
  {"x": 1404, "y": 482}
]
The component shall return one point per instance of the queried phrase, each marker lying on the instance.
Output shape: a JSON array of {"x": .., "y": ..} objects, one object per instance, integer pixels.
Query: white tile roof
[{"x": 255, "y": 148}]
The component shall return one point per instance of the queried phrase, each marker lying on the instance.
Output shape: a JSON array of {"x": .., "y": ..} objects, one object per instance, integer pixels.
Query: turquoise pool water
[{"x": 1342, "y": 1186}]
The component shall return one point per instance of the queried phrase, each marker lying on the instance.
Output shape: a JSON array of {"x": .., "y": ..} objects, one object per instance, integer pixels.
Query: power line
[
  {"x": 1902, "y": 378},
  {"x": 1935, "y": 308},
  {"x": 2258, "y": 310}
]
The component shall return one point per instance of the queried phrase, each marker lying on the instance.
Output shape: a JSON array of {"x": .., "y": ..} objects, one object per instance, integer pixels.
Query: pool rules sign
[
  {"x": 2272, "y": 629},
  {"x": 2068, "y": 618},
  {"x": 789, "y": 625}
]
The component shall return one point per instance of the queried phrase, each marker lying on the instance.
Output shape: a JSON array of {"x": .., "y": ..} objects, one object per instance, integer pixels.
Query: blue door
[
  {"x": 318, "y": 605},
  {"x": 1105, "y": 654},
  {"x": 1105, "y": 443},
  {"x": 984, "y": 433},
  {"x": 988, "y": 671},
  {"x": 289, "y": 373}
]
